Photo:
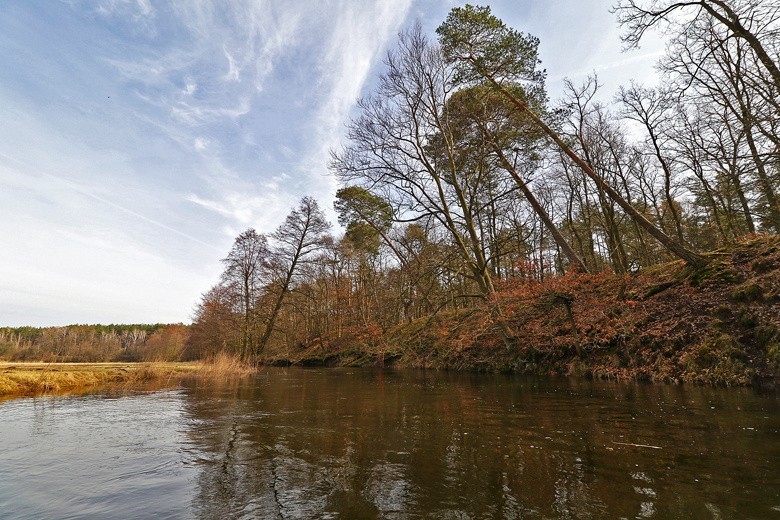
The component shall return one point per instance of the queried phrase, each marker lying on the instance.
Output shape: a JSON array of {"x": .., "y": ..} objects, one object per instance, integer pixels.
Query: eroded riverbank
[{"x": 717, "y": 324}]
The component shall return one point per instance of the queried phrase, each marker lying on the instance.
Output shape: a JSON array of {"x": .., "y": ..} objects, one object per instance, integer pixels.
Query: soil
[{"x": 717, "y": 324}]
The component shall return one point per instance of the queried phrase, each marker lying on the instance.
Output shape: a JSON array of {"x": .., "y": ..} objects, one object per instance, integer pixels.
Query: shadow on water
[{"x": 346, "y": 443}]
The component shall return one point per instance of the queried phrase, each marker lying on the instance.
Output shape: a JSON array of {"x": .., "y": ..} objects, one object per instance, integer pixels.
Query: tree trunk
[
  {"x": 575, "y": 261},
  {"x": 671, "y": 244},
  {"x": 731, "y": 20}
]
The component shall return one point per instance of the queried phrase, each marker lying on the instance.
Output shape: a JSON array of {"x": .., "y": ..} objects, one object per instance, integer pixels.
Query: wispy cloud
[
  {"x": 49, "y": 182},
  {"x": 352, "y": 52},
  {"x": 322, "y": 58},
  {"x": 647, "y": 60},
  {"x": 152, "y": 133},
  {"x": 262, "y": 211},
  {"x": 136, "y": 9},
  {"x": 197, "y": 114}
]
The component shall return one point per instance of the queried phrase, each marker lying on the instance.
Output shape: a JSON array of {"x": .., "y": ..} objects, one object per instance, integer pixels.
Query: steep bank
[{"x": 718, "y": 324}]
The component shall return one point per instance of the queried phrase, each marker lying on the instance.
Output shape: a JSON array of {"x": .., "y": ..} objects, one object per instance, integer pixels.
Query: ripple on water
[{"x": 366, "y": 444}]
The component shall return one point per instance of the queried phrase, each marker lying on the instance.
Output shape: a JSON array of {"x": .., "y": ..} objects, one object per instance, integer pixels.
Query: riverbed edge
[{"x": 716, "y": 324}]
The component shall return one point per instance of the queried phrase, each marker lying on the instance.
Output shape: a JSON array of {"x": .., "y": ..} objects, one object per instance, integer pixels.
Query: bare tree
[
  {"x": 514, "y": 142},
  {"x": 301, "y": 234},
  {"x": 484, "y": 49},
  {"x": 598, "y": 138},
  {"x": 718, "y": 75},
  {"x": 246, "y": 270},
  {"x": 653, "y": 110},
  {"x": 754, "y": 21},
  {"x": 404, "y": 146}
]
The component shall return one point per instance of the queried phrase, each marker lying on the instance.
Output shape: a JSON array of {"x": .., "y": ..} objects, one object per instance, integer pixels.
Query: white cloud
[
  {"x": 263, "y": 212},
  {"x": 201, "y": 144},
  {"x": 137, "y": 9},
  {"x": 141, "y": 144},
  {"x": 196, "y": 114},
  {"x": 234, "y": 72},
  {"x": 361, "y": 34}
]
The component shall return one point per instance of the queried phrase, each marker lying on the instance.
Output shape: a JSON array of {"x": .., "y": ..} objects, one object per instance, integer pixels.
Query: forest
[
  {"x": 94, "y": 343},
  {"x": 467, "y": 196},
  {"x": 489, "y": 227}
]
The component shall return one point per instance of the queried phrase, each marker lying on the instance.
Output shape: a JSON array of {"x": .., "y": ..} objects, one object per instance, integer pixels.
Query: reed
[
  {"x": 224, "y": 365},
  {"x": 17, "y": 379}
]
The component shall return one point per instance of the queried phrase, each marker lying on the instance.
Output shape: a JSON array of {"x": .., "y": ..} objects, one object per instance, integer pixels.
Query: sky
[{"x": 138, "y": 138}]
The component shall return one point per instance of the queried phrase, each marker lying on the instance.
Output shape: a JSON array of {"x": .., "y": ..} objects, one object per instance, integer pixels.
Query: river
[{"x": 343, "y": 443}]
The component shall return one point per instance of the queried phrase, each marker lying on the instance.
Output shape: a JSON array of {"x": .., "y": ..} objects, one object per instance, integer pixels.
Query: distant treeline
[{"x": 94, "y": 343}]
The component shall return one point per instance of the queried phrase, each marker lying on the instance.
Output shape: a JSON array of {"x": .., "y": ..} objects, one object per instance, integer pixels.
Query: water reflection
[{"x": 358, "y": 444}]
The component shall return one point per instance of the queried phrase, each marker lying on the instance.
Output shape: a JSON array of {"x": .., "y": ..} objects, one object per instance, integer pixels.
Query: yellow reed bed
[{"x": 45, "y": 378}]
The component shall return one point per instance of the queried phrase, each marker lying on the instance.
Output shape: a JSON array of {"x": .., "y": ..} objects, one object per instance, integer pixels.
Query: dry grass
[
  {"x": 225, "y": 366},
  {"x": 18, "y": 379}
]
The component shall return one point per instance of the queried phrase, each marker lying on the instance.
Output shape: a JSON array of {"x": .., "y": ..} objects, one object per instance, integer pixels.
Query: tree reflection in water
[{"x": 363, "y": 444}]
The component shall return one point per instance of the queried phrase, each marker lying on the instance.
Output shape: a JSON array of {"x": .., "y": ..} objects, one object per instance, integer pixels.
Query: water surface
[{"x": 295, "y": 443}]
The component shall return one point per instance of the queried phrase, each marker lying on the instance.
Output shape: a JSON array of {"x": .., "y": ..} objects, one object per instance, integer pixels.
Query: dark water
[{"x": 363, "y": 444}]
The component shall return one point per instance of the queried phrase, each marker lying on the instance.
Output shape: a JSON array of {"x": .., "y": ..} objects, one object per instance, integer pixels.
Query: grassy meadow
[{"x": 38, "y": 378}]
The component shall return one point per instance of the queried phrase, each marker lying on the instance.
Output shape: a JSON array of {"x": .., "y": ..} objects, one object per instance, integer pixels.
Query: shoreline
[
  {"x": 718, "y": 324},
  {"x": 32, "y": 379}
]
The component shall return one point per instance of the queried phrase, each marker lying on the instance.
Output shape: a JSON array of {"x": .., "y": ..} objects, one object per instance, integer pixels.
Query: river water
[{"x": 296, "y": 443}]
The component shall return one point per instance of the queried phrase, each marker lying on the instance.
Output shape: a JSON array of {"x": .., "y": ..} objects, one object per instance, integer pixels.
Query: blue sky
[{"x": 139, "y": 137}]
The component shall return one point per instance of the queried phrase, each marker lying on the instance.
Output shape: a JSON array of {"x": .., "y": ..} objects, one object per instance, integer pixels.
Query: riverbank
[
  {"x": 718, "y": 324},
  {"x": 26, "y": 379},
  {"x": 32, "y": 379}
]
